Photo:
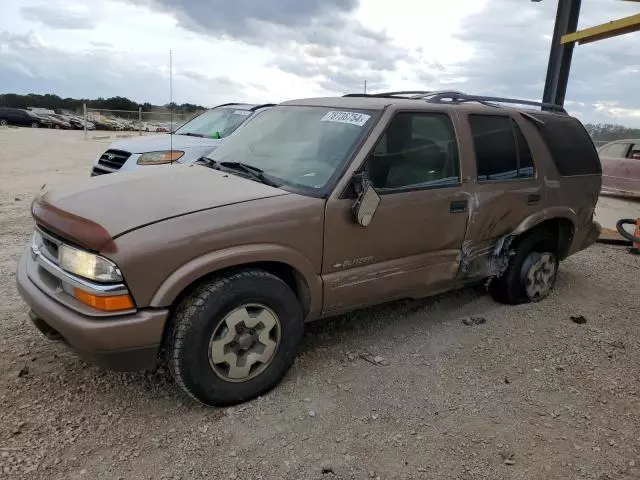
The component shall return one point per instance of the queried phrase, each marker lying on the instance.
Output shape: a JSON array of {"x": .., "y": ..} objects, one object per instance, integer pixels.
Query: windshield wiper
[
  {"x": 252, "y": 172},
  {"x": 208, "y": 162},
  {"x": 190, "y": 134}
]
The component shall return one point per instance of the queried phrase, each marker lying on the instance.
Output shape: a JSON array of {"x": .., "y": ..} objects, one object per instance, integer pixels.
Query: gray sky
[{"x": 254, "y": 50}]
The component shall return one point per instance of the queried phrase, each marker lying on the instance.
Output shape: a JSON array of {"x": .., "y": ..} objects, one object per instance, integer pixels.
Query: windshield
[
  {"x": 300, "y": 146},
  {"x": 216, "y": 123}
]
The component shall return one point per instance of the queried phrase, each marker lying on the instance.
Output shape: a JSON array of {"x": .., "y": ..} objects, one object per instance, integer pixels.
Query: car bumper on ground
[{"x": 127, "y": 342}]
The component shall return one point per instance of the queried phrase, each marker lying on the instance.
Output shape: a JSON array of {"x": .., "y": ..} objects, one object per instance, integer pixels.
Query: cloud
[
  {"x": 244, "y": 19},
  {"x": 100, "y": 44},
  {"x": 510, "y": 56},
  {"x": 57, "y": 17},
  {"x": 29, "y": 65},
  {"x": 318, "y": 39},
  {"x": 259, "y": 50}
]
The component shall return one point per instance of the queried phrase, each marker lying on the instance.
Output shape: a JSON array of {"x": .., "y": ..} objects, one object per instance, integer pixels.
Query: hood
[
  {"x": 154, "y": 143},
  {"x": 93, "y": 212}
]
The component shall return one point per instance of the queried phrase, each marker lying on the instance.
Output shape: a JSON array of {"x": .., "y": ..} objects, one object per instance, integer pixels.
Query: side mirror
[
  {"x": 635, "y": 154},
  {"x": 367, "y": 202}
]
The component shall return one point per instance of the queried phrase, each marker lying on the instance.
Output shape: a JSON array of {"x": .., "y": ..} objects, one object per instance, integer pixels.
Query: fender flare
[
  {"x": 217, "y": 260},
  {"x": 550, "y": 213}
]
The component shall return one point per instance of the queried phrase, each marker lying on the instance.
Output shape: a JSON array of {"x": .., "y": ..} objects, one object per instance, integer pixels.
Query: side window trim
[
  {"x": 513, "y": 123},
  {"x": 515, "y": 127},
  {"x": 418, "y": 187}
]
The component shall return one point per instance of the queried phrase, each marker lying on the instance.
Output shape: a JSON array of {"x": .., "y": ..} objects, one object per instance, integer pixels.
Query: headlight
[
  {"x": 88, "y": 265},
  {"x": 157, "y": 158}
]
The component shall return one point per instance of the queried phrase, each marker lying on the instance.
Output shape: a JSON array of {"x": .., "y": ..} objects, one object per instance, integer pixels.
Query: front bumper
[{"x": 128, "y": 342}]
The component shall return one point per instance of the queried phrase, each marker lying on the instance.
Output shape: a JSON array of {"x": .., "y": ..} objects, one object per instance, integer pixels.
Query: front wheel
[
  {"x": 234, "y": 337},
  {"x": 532, "y": 270},
  {"x": 35, "y": 125},
  {"x": 3, "y": 123}
]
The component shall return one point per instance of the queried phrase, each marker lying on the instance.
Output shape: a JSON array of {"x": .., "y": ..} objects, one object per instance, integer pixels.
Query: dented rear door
[{"x": 503, "y": 184}]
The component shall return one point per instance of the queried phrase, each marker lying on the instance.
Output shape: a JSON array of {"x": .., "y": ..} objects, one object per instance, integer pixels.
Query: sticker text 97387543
[{"x": 354, "y": 118}]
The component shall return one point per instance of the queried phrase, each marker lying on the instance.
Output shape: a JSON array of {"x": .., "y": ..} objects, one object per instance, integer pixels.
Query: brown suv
[{"x": 317, "y": 207}]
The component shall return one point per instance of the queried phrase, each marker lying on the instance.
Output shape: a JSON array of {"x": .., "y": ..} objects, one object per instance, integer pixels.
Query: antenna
[
  {"x": 171, "y": 103},
  {"x": 365, "y": 87}
]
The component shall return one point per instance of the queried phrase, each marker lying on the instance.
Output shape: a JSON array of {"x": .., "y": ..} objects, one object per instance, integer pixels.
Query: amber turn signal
[{"x": 107, "y": 304}]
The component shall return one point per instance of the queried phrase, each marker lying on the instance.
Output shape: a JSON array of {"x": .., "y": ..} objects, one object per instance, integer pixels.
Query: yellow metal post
[{"x": 606, "y": 30}]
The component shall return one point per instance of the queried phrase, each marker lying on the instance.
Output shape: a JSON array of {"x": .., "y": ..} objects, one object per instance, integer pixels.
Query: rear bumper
[
  {"x": 127, "y": 343},
  {"x": 585, "y": 237}
]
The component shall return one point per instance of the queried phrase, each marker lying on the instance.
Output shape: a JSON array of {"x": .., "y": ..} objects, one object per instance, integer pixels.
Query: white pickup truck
[{"x": 185, "y": 145}]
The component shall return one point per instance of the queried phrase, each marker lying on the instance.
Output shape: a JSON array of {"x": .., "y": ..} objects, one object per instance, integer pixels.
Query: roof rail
[
  {"x": 263, "y": 105},
  {"x": 451, "y": 97},
  {"x": 412, "y": 94},
  {"x": 437, "y": 93},
  {"x": 228, "y": 104}
]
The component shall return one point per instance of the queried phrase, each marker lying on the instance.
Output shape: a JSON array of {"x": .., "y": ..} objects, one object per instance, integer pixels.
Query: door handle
[
  {"x": 458, "y": 207},
  {"x": 533, "y": 199}
]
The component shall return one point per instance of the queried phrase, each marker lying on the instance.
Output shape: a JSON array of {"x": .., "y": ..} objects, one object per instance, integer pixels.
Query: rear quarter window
[{"x": 571, "y": 147}]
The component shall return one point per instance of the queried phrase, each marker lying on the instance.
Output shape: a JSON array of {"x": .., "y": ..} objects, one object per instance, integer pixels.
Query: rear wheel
[
  {"x": 235, "y": 337},
  {"x": 57, "y": 127},
  {"x": 34, "y": 125},
  {"x": 3, "y": 123},
  {"x": 532, "y": 270}
]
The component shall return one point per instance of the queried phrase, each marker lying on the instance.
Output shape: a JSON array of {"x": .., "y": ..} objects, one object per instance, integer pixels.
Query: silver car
[{"x": 185, "y": 145}]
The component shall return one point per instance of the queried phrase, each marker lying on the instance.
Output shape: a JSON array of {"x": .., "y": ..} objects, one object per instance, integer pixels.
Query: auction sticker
[
  {"x": 353, "y": 118},
  {"x": 244, "y": 113}
]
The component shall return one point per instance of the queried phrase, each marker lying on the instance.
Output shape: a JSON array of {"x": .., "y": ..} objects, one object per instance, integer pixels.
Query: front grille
[
  {"x": 47, "y": 244},
  {"x": 99, "y": 171},
  {"x": 113, "y": 159}
]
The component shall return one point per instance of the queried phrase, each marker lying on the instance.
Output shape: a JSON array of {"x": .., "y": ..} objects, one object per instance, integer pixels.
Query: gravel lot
[{"x": 529, "y": 394}]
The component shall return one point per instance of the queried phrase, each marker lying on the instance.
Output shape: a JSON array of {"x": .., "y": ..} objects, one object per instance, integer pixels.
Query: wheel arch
[
  {"x": 283, "y": 262},
  {"x": 561, "y": 222}
]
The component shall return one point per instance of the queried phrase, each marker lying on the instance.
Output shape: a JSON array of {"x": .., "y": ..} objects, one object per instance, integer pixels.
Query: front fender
[{"x": 211, "y": 262}]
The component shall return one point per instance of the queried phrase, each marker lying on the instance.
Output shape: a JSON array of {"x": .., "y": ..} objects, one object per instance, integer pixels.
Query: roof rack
[
  {"x": 450, "y": 97},
  {"x": 263, "y": 105},
  {"x": 410, "y": 94},
  {"x": 227, "y": 104},
  {"x": 453, "y": 96}
]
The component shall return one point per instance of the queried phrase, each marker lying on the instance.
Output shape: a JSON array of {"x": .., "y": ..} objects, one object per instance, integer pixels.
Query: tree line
[
  {"x": 607, "y": 132},
  {"x": 54, "y": 102},
  {"x": 599, "y": 132}
]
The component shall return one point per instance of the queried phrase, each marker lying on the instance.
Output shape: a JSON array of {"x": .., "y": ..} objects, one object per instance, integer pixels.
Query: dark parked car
[
  {"x": 58, "y": 121},
  {"x": 17, "y": 116}
]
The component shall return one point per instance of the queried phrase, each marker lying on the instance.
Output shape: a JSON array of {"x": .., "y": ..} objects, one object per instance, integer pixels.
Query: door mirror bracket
[{"x": 367, "y": 199}]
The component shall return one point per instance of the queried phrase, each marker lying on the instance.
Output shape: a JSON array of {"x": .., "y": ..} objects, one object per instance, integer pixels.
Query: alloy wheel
[
  {"x": 539, "y": 273},
  {"x": 244, "y": 342}
]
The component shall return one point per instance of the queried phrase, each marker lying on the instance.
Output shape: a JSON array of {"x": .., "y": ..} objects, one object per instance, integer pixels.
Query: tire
[
  {"x": 35, "y": 125},
  {"x": 205, "y": 319},
  {"x": 3, "y": 123},
  {"x": 536, "y": 253},
  {"x": 57, "y": 127}
]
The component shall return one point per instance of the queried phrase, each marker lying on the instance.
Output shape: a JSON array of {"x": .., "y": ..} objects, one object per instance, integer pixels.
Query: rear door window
[{"x": 502, "y": 152}]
